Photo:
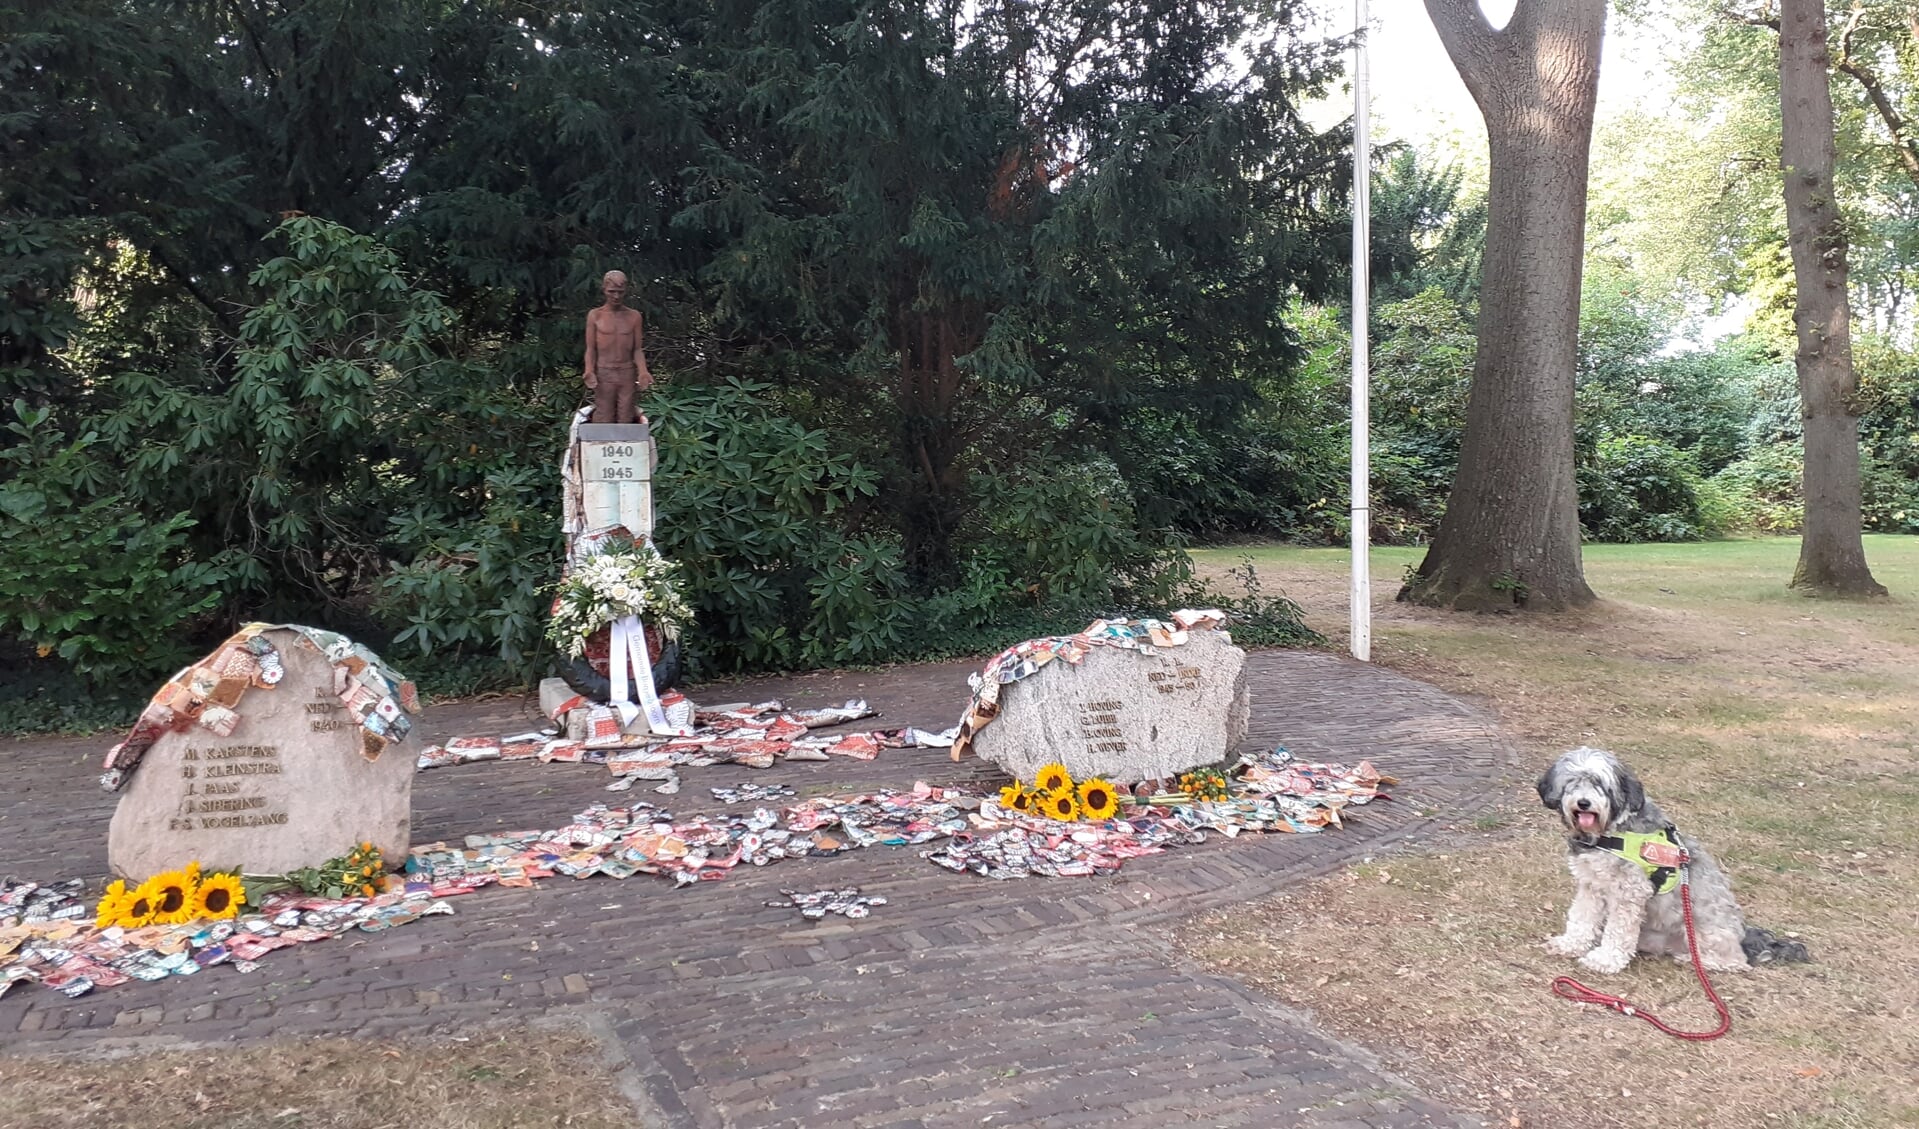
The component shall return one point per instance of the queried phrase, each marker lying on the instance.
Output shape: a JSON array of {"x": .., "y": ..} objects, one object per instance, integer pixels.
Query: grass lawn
[{"x": 1782, "y": 731}]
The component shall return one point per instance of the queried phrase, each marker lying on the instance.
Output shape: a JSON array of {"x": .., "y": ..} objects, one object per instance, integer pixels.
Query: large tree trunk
[
  {"x": 932, "y": 437},
  {"x": 1510, "y": 535},
  {"x": 1832, "y": 557}
]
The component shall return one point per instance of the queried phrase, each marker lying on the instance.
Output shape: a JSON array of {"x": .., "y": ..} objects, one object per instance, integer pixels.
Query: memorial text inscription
[
  {"x": 614, "y": 462},
  {"x": 211, "y": 799},
  {"x": 1099, "y": 726}
]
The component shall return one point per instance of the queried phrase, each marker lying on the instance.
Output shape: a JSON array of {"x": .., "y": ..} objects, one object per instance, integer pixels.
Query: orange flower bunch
[
  {"x": 1205, "y": 784},
  {"x": 357, "y": 874}
]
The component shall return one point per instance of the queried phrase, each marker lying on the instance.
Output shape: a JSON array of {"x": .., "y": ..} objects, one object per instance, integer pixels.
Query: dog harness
[{"x": 1658, "y": 853}]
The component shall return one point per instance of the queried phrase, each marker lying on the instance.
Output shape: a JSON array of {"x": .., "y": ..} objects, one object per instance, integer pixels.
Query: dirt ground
[
  {"x": 1778, "y": 730},
  {"x": 545, "y": 1076}
]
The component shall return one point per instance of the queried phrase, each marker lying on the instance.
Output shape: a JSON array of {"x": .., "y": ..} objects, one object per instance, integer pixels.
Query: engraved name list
[{"x": 219, "y": 788}]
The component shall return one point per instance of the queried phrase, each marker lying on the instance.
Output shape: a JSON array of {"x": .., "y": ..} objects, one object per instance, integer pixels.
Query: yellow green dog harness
[{"x": 1658, "y": 853}]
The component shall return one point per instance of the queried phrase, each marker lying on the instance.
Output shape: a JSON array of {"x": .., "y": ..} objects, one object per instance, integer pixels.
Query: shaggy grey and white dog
[{"x": 1617, "y": 909}]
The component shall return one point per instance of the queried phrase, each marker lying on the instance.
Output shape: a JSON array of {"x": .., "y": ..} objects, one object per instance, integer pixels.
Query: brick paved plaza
[{"x": 963, "y": 1002}]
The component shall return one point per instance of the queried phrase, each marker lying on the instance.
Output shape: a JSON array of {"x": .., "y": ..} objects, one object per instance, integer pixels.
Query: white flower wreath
[{"x": 625, "y": 579}]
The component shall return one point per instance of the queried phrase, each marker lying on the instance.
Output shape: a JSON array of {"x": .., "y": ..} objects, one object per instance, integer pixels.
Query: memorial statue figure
[{"x": 616, "y": 369}]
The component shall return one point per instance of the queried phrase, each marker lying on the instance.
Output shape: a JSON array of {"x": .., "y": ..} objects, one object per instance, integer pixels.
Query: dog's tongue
[{"x": 1587, "y": 821}]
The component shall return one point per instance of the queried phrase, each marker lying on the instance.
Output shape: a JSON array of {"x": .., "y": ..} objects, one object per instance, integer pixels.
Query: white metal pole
[{"x": 1362, "y": 586}]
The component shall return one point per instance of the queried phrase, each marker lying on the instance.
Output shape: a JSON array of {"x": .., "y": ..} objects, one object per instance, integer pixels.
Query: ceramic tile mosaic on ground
[
  {"x": 45, "y": 935},
  {"x": 958, "y": 1003},
  {"x": 756, "y": 735},
  {"x": 979, "y": 835}
]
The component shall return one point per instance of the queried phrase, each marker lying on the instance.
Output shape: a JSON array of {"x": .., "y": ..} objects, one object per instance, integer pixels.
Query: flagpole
[{"x": 1362, "y": 581}]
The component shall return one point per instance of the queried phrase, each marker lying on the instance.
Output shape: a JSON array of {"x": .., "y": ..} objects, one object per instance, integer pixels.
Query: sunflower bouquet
[
  {"x": 172, "y": 897},
  {"x": 626, "y": 578},
  {"x": 1055, "y": 795}
]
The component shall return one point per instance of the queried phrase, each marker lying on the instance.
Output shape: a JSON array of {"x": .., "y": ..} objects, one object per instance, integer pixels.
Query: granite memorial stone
[
  {"x": 294, "y": 781},
  {"x": 1124, "y": 715}
]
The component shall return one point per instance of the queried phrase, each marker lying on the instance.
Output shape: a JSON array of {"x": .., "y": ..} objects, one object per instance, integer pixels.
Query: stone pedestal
[
  {"x": 1124, "y": 715},
  {"x": 616, "y": 462},
  {"x": 289, "y": 788}
]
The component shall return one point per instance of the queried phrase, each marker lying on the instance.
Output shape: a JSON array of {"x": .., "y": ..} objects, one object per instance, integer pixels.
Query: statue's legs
[{"x": 613, "y": 399}]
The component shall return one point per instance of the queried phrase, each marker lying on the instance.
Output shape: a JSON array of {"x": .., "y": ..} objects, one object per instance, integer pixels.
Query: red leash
[{"x": 1568, "y": 988}]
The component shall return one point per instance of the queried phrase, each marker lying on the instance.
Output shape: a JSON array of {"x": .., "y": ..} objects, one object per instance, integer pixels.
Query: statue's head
[{"x": 613, "y": 285}]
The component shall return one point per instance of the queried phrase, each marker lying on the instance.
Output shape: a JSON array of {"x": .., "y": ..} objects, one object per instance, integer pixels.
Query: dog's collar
[{"x": 1658, "y": 853}]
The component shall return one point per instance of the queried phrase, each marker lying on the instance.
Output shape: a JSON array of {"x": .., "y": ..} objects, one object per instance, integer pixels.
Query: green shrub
[
  {"x": 1257, "y": 619},
  {"x": 1720, "y": 512},
  {"x": 1412, "y": 476},
  {"x": 293, "y": 448},
  {"x": 1067, "y": 530},
  {"x": 84, "y": 575},
  {"x": 758, "y": 509},
  {"x": 1889, "y": 499},
  {"x": 476, "y": 584},
  {"x": 48, "y": 697},
  {"x": 770, "y": 522},
  {"x": 1636, "y": 488},
  {"x": 1422, "y": 371},
  {"x": 1763, "y": 492},
  {"x": 1271, "y": 464}
]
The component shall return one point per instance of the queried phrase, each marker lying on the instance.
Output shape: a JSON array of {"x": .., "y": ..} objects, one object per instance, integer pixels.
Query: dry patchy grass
[
  {"x": 1779, "y": 730},
  {"x": 508, "y": 1078}
]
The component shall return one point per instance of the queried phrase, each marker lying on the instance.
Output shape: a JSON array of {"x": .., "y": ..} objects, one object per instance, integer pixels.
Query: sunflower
[
  {"x": 1014, "y": 797},
  {"x": 136, "y": 907},
  {"x": 1098, "y": 799},
  {"x": 1053, "y": 778},
  {"x": 113, "y": 905},
  {"x": 219, "y": 895},
  {"x": 171, "y": 892},
  {"x": 1062, "y": 806}
]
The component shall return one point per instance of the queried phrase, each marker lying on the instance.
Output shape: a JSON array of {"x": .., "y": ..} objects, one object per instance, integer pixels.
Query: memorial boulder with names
[
  {"x": 1122, "y": 714},
  {"x": 288, "y": 771}
]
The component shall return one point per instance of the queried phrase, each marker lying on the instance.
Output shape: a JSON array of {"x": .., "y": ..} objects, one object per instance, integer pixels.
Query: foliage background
[{"x": 293, "y": 296}]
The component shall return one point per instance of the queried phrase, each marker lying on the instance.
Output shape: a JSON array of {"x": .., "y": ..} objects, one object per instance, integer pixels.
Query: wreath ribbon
[{"x": 629, "y": 643}]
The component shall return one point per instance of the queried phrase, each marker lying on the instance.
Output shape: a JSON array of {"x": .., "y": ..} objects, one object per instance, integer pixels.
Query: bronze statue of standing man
[{"x": 616, "y": 369}]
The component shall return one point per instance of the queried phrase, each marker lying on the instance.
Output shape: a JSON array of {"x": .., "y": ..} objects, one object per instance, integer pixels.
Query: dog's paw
[
  {"x": 1605, "y": 961},
  {"x": 1566, "y": 945}
]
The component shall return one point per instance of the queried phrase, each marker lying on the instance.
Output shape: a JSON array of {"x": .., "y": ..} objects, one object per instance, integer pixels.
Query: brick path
[{"x": 964, "y": 1002}]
